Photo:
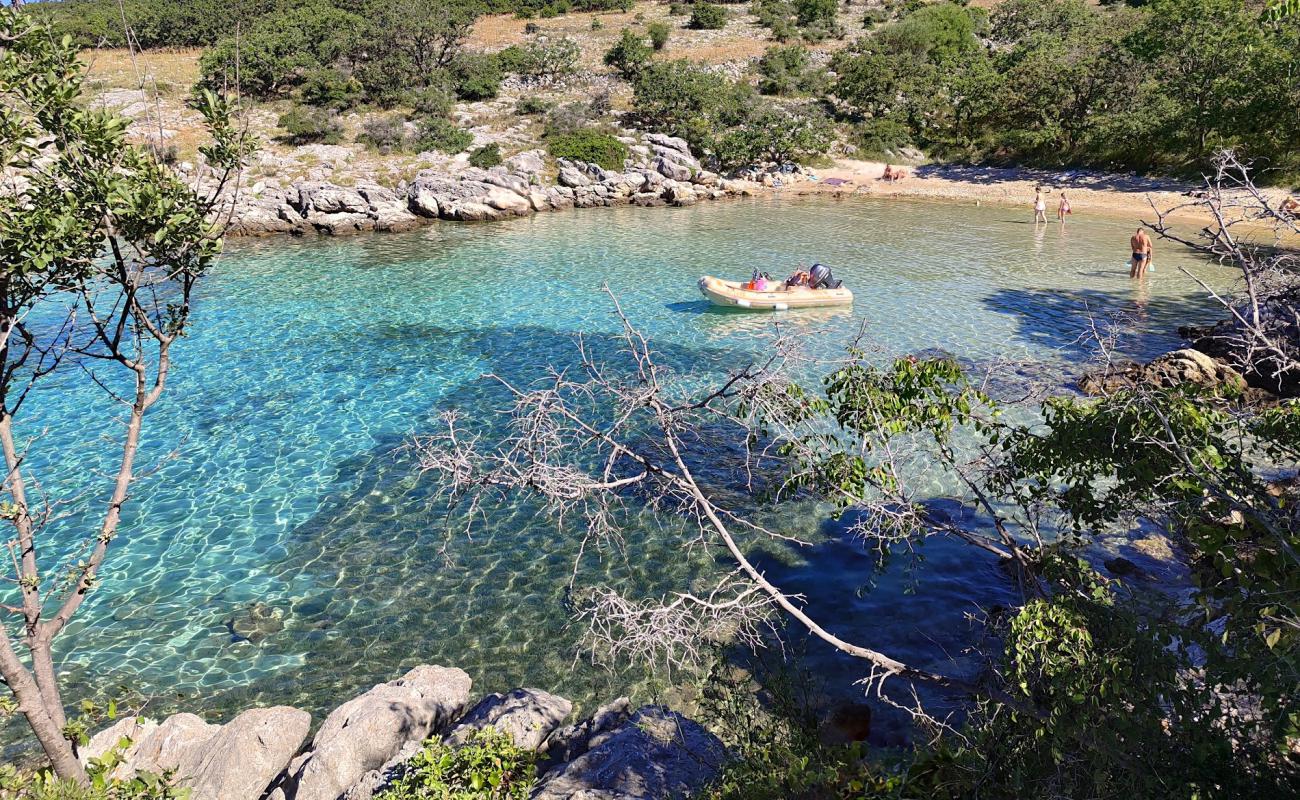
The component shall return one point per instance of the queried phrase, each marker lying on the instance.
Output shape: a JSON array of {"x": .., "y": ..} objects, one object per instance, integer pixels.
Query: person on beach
[
  {"x": 1040, "y": 205},
  {"x": 1140, "y": 244},
  {"x": 889, "y": 174},
  {"x": 1291, "y": 207},
  {"x": 1062, "y": 208}
]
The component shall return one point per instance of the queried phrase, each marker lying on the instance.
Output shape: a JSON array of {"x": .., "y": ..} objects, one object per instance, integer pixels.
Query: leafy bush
[
  {"x": 476, "y": 76},
  {"x": 881, "y": 136},
  {"x": 328, "y": 87},
  {"x": 821, "y": 13},
  {"x": 529, "y": 105},
  {"x": 441, "y": 134},
  {"x": 708, "y": 17},
  {"x": 385, "y": 134},
  {"x": 306, "y": 125},
  {"x": 629, "y": 55},
  {"x": 766, "y": 133},
  {"x": 596, "y": 24},
  {"x": 659, "y": 33},
  {"x": 548, "y": 58},
  {"x": 568, "y": 118},
  {"x": 486, "y": 157},
  {"x": 431, "y": 101},
  {"x": 487, "y": 767},
  {"x": 678, "y": 9},
  {"x": 590, "y": 145},
  {"x": 781, "y": 70}
]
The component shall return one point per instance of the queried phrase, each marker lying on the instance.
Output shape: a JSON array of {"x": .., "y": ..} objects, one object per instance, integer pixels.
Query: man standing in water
[{"x": 1141, "y": 246}]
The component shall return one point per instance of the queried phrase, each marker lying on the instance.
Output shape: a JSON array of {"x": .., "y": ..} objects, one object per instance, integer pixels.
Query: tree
[
  {"x": 100, "y": 250},
  {"x": 629, "y": 55}
]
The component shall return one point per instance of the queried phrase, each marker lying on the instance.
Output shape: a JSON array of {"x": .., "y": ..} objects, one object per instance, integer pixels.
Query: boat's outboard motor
[{"x": 821, "y": 278}]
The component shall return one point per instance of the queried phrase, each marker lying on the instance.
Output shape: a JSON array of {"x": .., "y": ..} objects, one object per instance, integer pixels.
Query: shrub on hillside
[
  {"x": 385, "y": 134},
  {"x": 708, "y": 17},
  {"x": 532, "y": 104},
  {"x": 547, "y": 58},
  {"x": 629, "y": 55},
  {"x": 431, "y": 101},
  {"x": 328, "y": 87},
  {"x": 486, "y": 157},
  {"x": 781, "y": 69},
  {"x": 659, "y": 33},
  {"x": 568, "y": 118},
  {"x": 476, "y": 76},
  {"x": 306, "y": 125},
  {"x": 590, "y": 145},
  {"x": 441, "y": 134}
]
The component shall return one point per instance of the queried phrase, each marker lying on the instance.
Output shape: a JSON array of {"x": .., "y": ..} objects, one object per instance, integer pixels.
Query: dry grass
[{"x": 172, "y": 71}]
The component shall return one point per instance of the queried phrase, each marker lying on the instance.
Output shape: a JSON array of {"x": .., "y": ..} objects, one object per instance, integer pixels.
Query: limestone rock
[
  {"x": 670, "y": 142},
  {"x": 367, "y": 731},
  {"x": 571, "y": 741},
  {"x": 242, "y": 758},
  {"x": 377, "y": 780},
  {"x": 572, "y": 178},
  {"x": 509, "y": 201},
  {"x": 655, "y": 754},
  {"x": 672, "y": 169},
  {"x": 326, "y": 198},
  {"x": 529, "y": 162},
  {"x": 527, "y": 715},
  {"x": 1192, "y": 366},
  {"x": 171, "y": 742},
  {"x": 132, "y": 728}
]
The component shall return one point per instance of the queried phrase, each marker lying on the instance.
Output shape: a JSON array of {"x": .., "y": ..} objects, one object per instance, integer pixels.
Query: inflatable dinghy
[{"x": 733, "y": 294}]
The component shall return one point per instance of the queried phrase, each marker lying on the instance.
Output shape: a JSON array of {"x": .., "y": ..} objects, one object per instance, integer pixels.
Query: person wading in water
[{"x": 1141, "y": 246}]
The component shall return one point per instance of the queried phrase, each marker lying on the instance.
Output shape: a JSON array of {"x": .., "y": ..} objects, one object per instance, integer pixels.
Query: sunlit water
[{"x": 279, "y": 476}]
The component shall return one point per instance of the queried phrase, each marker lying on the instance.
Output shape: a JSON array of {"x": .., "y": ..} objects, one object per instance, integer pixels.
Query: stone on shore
[
  {"x": 367, "y": 731},
  {"x": 655, "y": 754},
  {"x": 242, "y": 757},
  {"x": 1169, "y": 370},
  {"x": 571, "y": 741},
  {"x": 527, "y": 715}
]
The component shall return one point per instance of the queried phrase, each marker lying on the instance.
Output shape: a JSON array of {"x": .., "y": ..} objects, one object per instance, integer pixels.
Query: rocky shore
[
  {"x": 618, "y": 753},
  {"x": 661, "y": 171}
]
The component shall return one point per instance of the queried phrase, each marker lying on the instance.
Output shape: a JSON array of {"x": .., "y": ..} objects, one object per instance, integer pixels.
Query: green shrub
[
  {"x": 306, "y": 125},
  {"x": 596, "y": 24},
  {"x": 486, "y": 157},
  {"x": 816, "y": 12},
  {"x": 490, "y": 766},
  {"x": 476, "y": 76},
  {"x": 881, "y": 136},
  {"x": 568, "y": 118},
  {"x": 659, "y": 33},
  {"x": 781, "y": 69},
  {"x": 441, "y": 134},
  {"x": 678, "y": 9},
  {"x": 708, "y": 17},
  {"x": 629, "y": 55},
  {"x": 590, "y": 145},
  {"x": 532, "y": 104},
  {"x": 331, "y": 88},
  {"x": 548, "y": 58},
  {"x": 385, "y": 134},
  {"x": 512, "y": 60},
  {"x": 431, "y": 101}
]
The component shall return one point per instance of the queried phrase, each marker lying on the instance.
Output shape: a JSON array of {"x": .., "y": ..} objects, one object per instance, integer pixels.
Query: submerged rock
[{"x": 255, "y": 623}]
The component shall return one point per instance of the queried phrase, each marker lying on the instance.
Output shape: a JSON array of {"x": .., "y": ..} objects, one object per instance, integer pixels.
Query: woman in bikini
[
  {"x": 1040, "y": 205},
  {"x": 1062, "y": 208}
]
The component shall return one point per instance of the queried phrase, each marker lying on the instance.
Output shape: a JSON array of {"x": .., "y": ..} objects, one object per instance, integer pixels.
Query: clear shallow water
[{"x": 280, "y": 477}]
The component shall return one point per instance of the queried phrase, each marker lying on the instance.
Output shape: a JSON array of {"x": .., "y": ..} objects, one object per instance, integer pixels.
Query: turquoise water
[{"x": 278, "y": 474}]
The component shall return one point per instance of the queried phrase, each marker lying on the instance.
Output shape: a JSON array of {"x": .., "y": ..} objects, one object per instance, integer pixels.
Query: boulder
[
  {"x": 377, "y": 780},
  {"x": 656, "y": 753},
  {"x": 172, "y": 742},
  {"x": 473, "y": 211},
  {"x": 1171, "y": 369},
  {"x": 1192, "y": 366},
  {"x": 527, "y": 715},
  {"x": 647, "y": 199},
  {"x": 680, "y": 194},
  {"x": 341, "y": 225},
  {"x": 529, "y": 162},
  {"x": 572, "y": 178},
  {"x": 327, "y": 198},
  {"x": 670, "y": 142},
  {"x": 132, "y": 729},
  {"x": 672, "y": 169},
  {"x": 367, "y": 731},
  {"x": 240, "y": 760},
  {"x": 508, "y": 201},
  {"x": 389, "y": 210},
  {"x": 571, "y": 741}
]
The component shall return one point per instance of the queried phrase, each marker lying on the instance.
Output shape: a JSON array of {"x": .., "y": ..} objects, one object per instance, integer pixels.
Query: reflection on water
[{"x": 311, "y": 362}]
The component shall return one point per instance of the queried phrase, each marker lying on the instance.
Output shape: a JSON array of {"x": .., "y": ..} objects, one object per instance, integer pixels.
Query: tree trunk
[{"x": 32, "y": 705}]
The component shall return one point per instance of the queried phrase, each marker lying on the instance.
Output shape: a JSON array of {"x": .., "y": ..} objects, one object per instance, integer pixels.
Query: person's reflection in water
[{"x": 1141, "y": 298}]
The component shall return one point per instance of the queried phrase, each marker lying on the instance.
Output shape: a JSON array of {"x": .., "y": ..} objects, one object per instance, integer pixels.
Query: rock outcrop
[
  {"x": 527, "y": 715},
  {"x": 656, "y": 753},
  {"x": 1184, "y": 366},
  {"x": 367, "y": 731},
  {"x": 235, "y": 761}
]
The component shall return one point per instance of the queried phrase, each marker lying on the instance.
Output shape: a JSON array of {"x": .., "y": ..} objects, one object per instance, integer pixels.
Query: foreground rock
[
  {"x": 656, "y": 753},
  {"x": 235, "y": 761},
  {"x": 1186, "y": 366},
  {"x": 367, "y": 731},
  {"x": 527, "y": 715}
]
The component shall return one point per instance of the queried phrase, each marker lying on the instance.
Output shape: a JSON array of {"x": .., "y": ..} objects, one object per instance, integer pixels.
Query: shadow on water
[{"x": 1042, "y": 314}]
